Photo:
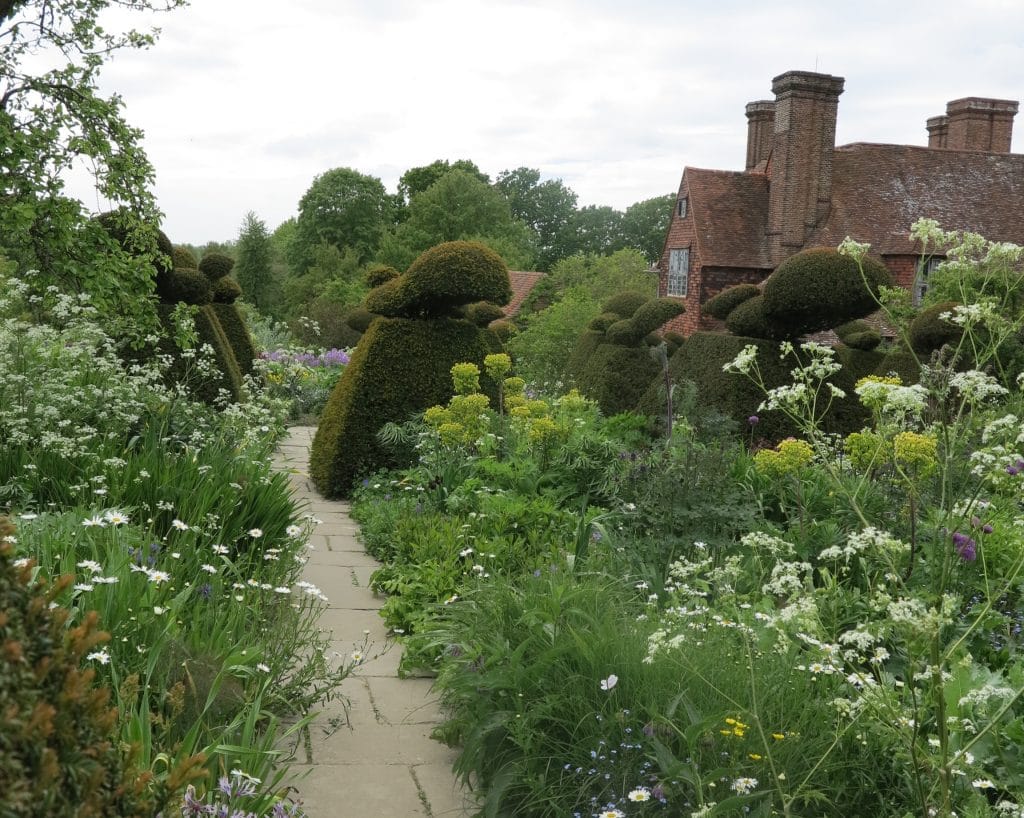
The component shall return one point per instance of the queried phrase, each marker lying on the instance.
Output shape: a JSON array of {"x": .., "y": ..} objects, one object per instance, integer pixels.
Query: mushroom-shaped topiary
[
  {"x": 600, "y": 323},
  {"x": 184, "y": 258},
  {"x": 184, "y": 286},
  {"x": 859, "y": 334},
  {"x": 226, "y": 290},
  {"x": 442, "y": 279},
  {"x": 819, "y": 288},
  {"x": 751, "y": 320},
  {"x": 216, "y": 265},
  {"x": 648, "y": 317},
  {"x": 360, "y": 319},
  {"x": 929, "y": 332},
  {"x": 377, "y": 274},
  {"x": 725, "y": 302},
  {"x": 482, "y": 313},
  {"x": 625, "y": 304}
]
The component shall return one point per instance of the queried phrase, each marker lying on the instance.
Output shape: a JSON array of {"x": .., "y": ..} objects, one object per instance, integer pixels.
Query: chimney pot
[
  {"x": 760, "y": 131},
  {"x": 980, "y": 124}
]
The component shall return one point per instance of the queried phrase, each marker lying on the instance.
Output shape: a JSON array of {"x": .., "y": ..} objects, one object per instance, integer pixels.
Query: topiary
[
  {"x": 818, "y": 288},
  {"x": 750, "y": 320},
  {"x": 928, "y": 332},
  {"x": 237, "y": 335},
  {"x": 377, "y": 274},
  {"x": 59, "y": 753},
  {"x": 625, "y": 304},
  {"x": 673, "y": 340},
  {"x": 442, "y": 279},
  {"x": 859, "y": 335},
  {"x": 600, "y": 323},
  {"x": 400, "y": 367},
  {"x": 503, "y": 329},
  {"x": 183, "y": 257},
  {"x": 226, "y": 290},
  {"x": 184, "y": 286},
  {"x": 216, "y": 265},
  {"x": 729, "y": 299},
  {"x": 360, "y": 319},
  {"x": 647, "y": 318},
  {"x": 482, "y": 313},
  {"x": 203, "y": 386},
  {"x": 617, "y": 376}
]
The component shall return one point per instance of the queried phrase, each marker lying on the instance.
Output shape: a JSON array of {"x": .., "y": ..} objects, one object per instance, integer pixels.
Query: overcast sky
[{"x": 244, "y": 102}]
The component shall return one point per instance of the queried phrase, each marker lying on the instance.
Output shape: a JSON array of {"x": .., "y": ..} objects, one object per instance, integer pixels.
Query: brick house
[{"x": 800, "y": 190}]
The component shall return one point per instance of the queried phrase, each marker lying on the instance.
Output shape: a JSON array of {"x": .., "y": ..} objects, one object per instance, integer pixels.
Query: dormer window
[{"x": 683, "y": 207}]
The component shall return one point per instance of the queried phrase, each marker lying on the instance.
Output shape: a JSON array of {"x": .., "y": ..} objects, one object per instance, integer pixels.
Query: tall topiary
[
  {"x": 59, "y": 753},
  {"x": 614, "y": 366},
  {"x": 403, "y": 362}
]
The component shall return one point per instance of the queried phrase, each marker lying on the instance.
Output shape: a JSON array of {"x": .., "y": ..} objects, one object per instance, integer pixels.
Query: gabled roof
[
  {"x": 879, "y": 191},
  {"x": 522, "y": 283},
  {"x": 730, "y": 216}
]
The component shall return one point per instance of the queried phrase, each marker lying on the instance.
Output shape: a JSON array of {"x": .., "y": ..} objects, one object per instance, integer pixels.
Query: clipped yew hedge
[{"x": 402, "y": 366}]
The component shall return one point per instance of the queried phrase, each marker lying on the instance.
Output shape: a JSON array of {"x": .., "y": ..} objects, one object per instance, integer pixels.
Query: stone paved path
[{"x": 384, "y": 763}]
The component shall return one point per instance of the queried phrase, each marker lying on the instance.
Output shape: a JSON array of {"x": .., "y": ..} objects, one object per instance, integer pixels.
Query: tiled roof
[
  {"x": 879, "y": 191},
  {"x": 522, "y": 283},
  {"x": 730, "y": 216}
]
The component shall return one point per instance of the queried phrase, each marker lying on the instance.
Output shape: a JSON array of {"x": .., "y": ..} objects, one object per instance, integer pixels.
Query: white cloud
[{"x": 244, "y": 101}]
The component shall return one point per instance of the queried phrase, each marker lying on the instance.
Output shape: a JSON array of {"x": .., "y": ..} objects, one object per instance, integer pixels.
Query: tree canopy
[
  {"x": 546, "y": 207},
  {"x": 53, "y": 120}
]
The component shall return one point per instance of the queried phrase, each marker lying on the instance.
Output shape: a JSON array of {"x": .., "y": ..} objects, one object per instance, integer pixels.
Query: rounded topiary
[
  {"x": 929, "y": 332},
  {"x": 819, "y": 288},
  {"x": 751, "y": 320},
  {"x": 600, "y": 323},
  {"x": 482, "y": 313},
  {"x": 226, "y": 290},
  {"x": 859, "y": 335},
  {"x": 183, "y": 257},
  {"x": 647, "y": 318},
  {"x": 625, "y": 304},
  {"x": 503, "y": 329},
  {"x": 184, "y": 286},
  {"x": 60, "y": 751},
  {"x": 442, "y": 279},
  {"x": 400, "y": 367},
  {"x": 616, "y": 376},
  {"x": 216, "y": 265},
  {"x": 377, "y": 274},
  {"x": 203, "y": 386},
  {"x": 729, "y": 299},
  {"x": 360, "y": 319}
]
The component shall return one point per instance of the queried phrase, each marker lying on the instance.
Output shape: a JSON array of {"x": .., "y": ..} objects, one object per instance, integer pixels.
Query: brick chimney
[
  {"x": 979, "y": 124},
  {"x": 938, "y": 131},
  {"x": 760, "y": 131},
  {"x": 803, "y": 145}
]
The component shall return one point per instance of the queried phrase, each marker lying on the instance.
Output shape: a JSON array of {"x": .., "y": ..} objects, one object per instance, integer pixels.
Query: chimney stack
[
  {"x": 803, "y": 147},
  {"x": 760, "y": 131},
  {"x": 938, "y": 131},
  {"x": 979, "y": 124}
]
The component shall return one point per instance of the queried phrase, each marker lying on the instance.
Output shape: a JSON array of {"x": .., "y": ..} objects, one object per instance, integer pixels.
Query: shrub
[
  {"x": 625, "y": 304},
  {"x": 859, "y": 335},
  {"x": 216, "y": 265},
  {"x": 751, "y": 319},
  {"x": 401, "y": 366},
  {"x": 377, "y": 274},
  {"x": 360, "y": 319},
  {"x": 226, "y": 290},
  {"x": 819, "y": 288},
  {"x": 237, "y": 335},
  {"x": 617, "y": 376},
  {"x": 183, "y": 286},
  {"x": 184, "y": 258},
  {"x": 483, "y": 313},
  {"x": 201, "y": 384},
  {"x": 601, "y": 322},
  {"x": 928, "y": 332},
  {"x": 441, "y": 279},
  {"x": 729, "y": 299},
  {"x": 60, "y": 753},
  {"x": 503, "y": 329},
  {"x": 648, "y": 317}
]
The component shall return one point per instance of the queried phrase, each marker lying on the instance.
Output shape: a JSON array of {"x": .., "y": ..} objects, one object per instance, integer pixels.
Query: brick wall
[
  {"x": 903, "y": 269},
  {"x": 681, "y": 233}
]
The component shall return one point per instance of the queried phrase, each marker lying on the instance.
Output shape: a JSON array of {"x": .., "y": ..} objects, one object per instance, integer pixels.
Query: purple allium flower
[
  {"x": 987, "y": 528},
  {"x": 965, "y": 547},
  {"x": 753, "y": 420},
  {"x": 1012, "y": 471}
]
